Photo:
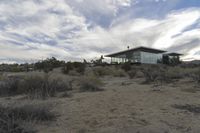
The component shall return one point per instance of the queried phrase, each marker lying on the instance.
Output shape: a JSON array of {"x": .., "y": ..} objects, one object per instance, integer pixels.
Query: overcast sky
[{"x": 85, "y": 29}]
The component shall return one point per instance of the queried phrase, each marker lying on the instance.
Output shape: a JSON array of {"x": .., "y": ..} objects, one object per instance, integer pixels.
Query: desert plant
[
  {"x": 76, "y": 66},
  {"x": 150, "y": 74},
  {"x": 35, "y": 86},
  {"x": 118, "y": 72},
  {"x": 132, "y": 74},
  {"x": 42, "y": 86},
  {"x": 79, "y": 67},
  {"x": 156, "y": 73},
  {"x": 102, "y": 71},
  {"x": 48, "y": 64},
  {"x": 90, "y": 84},
  {"x": 13, "y": 117},
  {"x": 196, "y": 76},
  {"x": 9, "y": 86},
  {"x": 126, "y": 66},
  {"x": 187, "y": 107},
  {"x": 174, "y": 73}
]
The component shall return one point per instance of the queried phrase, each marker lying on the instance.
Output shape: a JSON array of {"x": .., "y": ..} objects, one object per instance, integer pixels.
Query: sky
[{"x": 73, "y": 30}]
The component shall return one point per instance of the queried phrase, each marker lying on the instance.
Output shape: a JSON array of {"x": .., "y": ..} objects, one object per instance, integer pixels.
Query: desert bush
[
  {"x": 190, "y": 90},
  {"x": 48, "y": 64},
  {"x": 90, "y": 84},
  {"x": 108, "y": 71},
  {"x": 9, "y": 86},
  {"x": 162, "y": 73},
  {"x": 35, "y": 86},
  {"x": 74, "y": 66},
  {"x": 132, "y": 74},
  {"x": 118, "y": 72},
  {"x": 102, "y": 71},
  {"x": 126, "y": 66},
  {"x": 187, "y": 107},
  {"x": 195, "y": 75},
  {"x": 150, "y": 73},
  {"x": 13, "y": 117},
  {"x": 42, "y": 86},
  {"x": 174, "y": 73},
  {"x": 67, "y": 68}
]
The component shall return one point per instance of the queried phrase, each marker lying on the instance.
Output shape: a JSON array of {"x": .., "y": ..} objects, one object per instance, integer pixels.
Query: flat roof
[
  {"x": 173, "y": 54},
  {"x": 144, "y": 49}
]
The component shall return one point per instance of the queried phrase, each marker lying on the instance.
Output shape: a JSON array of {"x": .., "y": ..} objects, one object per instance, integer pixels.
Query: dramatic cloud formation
[{"x": 77, "y": 29}]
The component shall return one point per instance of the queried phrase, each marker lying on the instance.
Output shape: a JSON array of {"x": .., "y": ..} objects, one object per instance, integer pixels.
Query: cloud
[{"x": 73, "y": 30}]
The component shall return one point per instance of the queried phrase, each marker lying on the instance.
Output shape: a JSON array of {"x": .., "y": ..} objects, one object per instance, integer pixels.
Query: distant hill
[{"x": 193, "y": 62}]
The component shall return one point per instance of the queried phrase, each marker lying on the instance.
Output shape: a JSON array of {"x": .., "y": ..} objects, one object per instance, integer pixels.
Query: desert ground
[{"x": 123, "y": 105}]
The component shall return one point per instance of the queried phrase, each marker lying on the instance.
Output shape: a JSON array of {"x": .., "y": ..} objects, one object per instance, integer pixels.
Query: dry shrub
[
  {"x": 102, "y": 71},
  {"x": 12, "y": 118},
  {"x": 132, "y": 74},
  {"x": 151, "y": 73},
  {"x": 162, "y": 73},
  {"x": 34, "y": 85},
  {"x": 118, "y": 72},
  {"x": 42, "y": 86},
  {"x": 126, "y": 66},
  {"x": 109, "y": 70},
  {"x": 195, "y": 75},
  {"x": 187, "y": 107},
  {"x": 190, "y": 90},
  {"x": 175, "y": 72},
  {"x": 74, "y": 66},
  {"x": 9, "y": 86},
  {"x": 90, "y": 84},
  {"x": 73, "y": 73}
]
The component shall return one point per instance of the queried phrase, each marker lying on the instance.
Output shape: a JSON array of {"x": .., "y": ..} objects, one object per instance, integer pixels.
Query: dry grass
[
  {"x": 109, "y": 71},
  {"x": 132, "y": 74},
  {"x": 13, "y": 117},
  {"x": 43, "y": 86},
  {"x": 90, "y": 84},
  {"x": 191, "y": 90},
  {"x": 34, "y": 85}
]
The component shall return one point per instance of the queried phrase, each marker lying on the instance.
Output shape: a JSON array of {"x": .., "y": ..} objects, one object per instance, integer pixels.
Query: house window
[{"x": 136, "y": 57}]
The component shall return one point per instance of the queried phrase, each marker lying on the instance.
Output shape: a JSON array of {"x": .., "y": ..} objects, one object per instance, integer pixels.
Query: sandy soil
[{"x": 126, "y": 106}]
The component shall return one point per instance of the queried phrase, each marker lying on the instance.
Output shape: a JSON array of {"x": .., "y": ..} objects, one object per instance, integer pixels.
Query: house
[{"x": 142, "y": 55}]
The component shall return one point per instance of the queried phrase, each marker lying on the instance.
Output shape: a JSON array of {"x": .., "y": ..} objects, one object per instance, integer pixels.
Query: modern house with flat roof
[{"x": 142, "y": 55}]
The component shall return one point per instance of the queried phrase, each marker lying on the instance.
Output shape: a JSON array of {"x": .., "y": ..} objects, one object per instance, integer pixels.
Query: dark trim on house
[
  {"x": 173, "y": 54},
  {"x": 144, "y": 49}
]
